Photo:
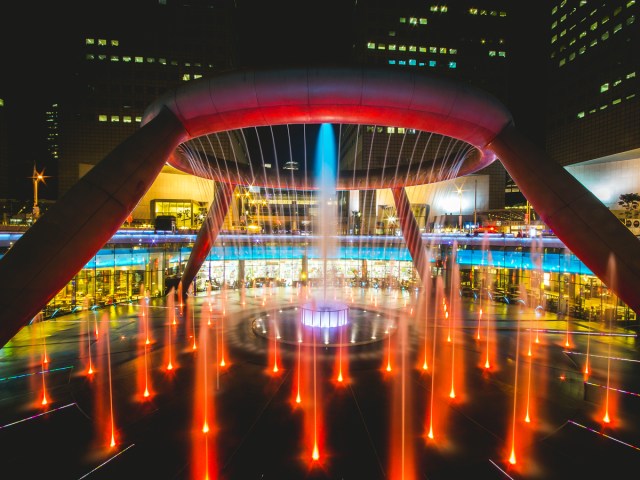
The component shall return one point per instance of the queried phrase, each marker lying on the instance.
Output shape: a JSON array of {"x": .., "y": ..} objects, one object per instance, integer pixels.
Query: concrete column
[
  {"x": 241, "y": 273},
  {"x": 584, "y": 224},
  {"x": 208, "y": 232},
  {"x": 411, "y": 233},
  {"x": 70, "y": 233}
]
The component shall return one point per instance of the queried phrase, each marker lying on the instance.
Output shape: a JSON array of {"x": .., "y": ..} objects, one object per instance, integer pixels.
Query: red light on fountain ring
[{"x": 324, "y": 314}]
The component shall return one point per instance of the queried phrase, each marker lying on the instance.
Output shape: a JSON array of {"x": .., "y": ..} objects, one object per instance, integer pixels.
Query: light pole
[{"x": 37, "y": 177}]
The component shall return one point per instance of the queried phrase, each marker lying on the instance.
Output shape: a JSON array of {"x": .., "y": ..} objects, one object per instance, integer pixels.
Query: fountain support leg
[
  {"x": 64, "y": 239},
  {"x": 411, "y": 233},
  {"x": 208, "y": 232},
  {"x": 583, "y": 223}
]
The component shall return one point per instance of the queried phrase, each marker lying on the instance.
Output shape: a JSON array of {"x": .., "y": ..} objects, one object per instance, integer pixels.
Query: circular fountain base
[{"x": 360, "y": 327}]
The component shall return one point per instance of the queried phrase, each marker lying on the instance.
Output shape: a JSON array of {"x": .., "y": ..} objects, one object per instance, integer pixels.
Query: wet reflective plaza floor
[{"x": 374, "y": 424}]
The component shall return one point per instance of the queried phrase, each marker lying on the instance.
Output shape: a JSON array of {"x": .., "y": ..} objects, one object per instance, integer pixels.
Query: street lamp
[{"x": 37, "y": 177}]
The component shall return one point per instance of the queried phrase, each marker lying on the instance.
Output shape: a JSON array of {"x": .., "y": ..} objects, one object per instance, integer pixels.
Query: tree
[{"x": 630, "y": 202}]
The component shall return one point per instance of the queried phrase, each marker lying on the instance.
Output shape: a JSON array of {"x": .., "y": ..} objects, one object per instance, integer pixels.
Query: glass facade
[{"x": 539, "y": 272}]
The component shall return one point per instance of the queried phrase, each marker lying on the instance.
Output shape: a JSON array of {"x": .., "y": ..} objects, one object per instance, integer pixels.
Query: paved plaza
[{"x": 372, "y": 425}]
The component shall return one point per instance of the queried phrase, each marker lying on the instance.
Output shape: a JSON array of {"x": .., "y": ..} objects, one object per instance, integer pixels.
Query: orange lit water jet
[
  {"x": 112, "y": 442},
  {"x": 512, "y": 457}
]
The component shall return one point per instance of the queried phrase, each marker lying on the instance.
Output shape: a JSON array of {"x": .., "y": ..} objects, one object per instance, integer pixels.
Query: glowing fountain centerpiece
[
  {"x": 320, "y": 312},
  {"x": 325, "y": 314}
]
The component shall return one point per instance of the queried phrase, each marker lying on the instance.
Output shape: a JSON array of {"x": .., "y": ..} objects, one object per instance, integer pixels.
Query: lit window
[
  {"x": 616, "y": 101},
  {"x": 453, "y": 51},
  {"x": 115, "y": 58},
  {"x": 139, "y": 60},
  {"x": 90, "y": 56},
  {"x": 572, "y": 41},
  {"x": 400, "y": 129},
  {"x": 583, "y": 3},
  {"x": 392, "y": 33},
  {"x": 572, "y": 57},
  {"x": 582, "y": 34},
  {"x": 492, "y": 53},
  {"x": 554, "y": 39},
  {"x": 382, "y": 46},
  {"x": 402, "y": 62},
  {"x": 502, "y": 54},
  {"x": 605, "y": 20},
  {"x": 102, "y": 57},
  {"x": 494, "y": 13},
  {"x": 563, "y": 18},
  {"x": 403, "y": 48},
  {"x": 392, "y": 62},
  {"x": 473, "y": 11},
  {"x": 115, "y": 118},
  {"x": 403, "y": 20},
  {"x": 563, "y": 32},
  {"x": 630, "y": 3},
  {"x": 631, "y": 75},
  {"x": 186, "y": 77},
  {"x": 196, "y": 75},
  {"x": 150, "y": 60},
  {"x": 115, "y": 43},
  {"x": 554, "y": 25},
  {"x": 629, "y": 97},
  {"x": 617, "y": 28},
  {"x": 582, "y": 50},
  {"x": 432, "y": 63},
  {"x": 138, "y": 119},
  {"x": 102, "y": 42},
  {"x": 433, "y": 50},
  {"x": 443, "y": 50},
  {"x": 604, "y": 87},
  {"x": 503, "y": 14},
  {"x": 554, "y": 11},
  {"x": 433, "y": 8},
  {"x": 483, "y": 12},
  {"x": 423, "y": 21},
  {"x": 603, "y": 107},
  {"x": 163, "y": 61},
  {"x": 593, "y": 26},
  {"x": 392, "y": 46},
  {"x": 412, "y": 48},
  {"x": 371, "y": 45},
  {"x": 452, "y": 65},
  {"x": 174, "y": 63},
  {"x": 89, "y": 41},
  {"x": 102, "y": 118},
  {"x": 391, "y": 130},
  {"x": 604, "y": 36},
  {"x": 126, "y": 59},
  {"x": 562, "y": 62},
  {"x": 421, "y": 64},
  {"x": 617, "y": 82},
  {"x": 444, "y": 8},
  {"x": 412, "y": 62},
  {"x": 413, "y": 21},
  {"x": 581, "y": 115},
  {"x": 423, "y": 49},
  {"x": 631, "y": 19},
  {"x": 126, "y": 119}
]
